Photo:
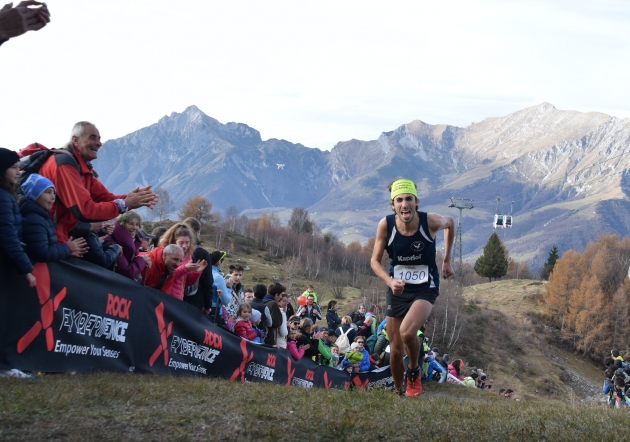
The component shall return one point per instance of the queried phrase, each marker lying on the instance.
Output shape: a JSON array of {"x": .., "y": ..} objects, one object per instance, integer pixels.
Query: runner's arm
[
  {"x": 396, "y": 285},
  {"x": 438, "y": 222}
]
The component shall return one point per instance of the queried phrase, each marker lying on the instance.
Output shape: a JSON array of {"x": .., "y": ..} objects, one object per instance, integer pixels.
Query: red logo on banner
[
  {"x": 326, "y": 383},
  {"x": 117, "y": 306},
  {"x": 271, "y": 360},
  {"x": 212, "y": 339},
  {"x": 310, "y": 374},
  {"x": 49, "y": 306},
  {"x": 357, "y": 381},
  {"x": 165, "y": 332},
  {"x": 240, "y": 371},
  {"x": 290, "y": 372}
]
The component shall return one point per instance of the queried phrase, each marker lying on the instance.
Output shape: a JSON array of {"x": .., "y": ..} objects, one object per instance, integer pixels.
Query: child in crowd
[
  {"x": 243, "y": 325},
  {"x": 334, "y": 353},
  {"x": 11, "y": 251},
  {"x": 255, "y": 320},
  {"x": 296, "y": 352},
  {"x": 352, "y": 360},
  {"x": 38, "y": 229}
]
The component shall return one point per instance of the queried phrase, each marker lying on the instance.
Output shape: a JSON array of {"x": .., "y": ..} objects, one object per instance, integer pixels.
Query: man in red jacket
[
  {"x": 80, "y": 195},
  {"x": 164, "y": 262}
]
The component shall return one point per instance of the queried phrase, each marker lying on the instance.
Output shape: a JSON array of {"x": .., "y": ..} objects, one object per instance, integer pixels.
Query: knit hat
[
  {"x": 35, "y": 185},
  {"x": 446, "y": 358},
  {"x": 255, "y": 316},
  {"x": 7, "y": 159}
]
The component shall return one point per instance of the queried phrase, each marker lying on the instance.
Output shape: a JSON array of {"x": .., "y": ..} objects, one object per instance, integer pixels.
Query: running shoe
[{"x": 413, "y": 384}]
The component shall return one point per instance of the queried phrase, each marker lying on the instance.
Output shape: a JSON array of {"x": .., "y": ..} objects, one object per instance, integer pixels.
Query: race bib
[{"x": 417, "y": 274}]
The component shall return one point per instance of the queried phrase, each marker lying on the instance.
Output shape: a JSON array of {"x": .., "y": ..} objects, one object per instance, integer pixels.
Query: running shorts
[{"x": 399, "y": 305}]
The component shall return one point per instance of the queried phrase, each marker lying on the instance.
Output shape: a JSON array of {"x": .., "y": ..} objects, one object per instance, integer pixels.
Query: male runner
[{"x": 413, "y": 280}]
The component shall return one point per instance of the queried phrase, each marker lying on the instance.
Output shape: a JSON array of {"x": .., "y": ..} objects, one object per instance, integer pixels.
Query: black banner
[{"x": 82, "y": 318}]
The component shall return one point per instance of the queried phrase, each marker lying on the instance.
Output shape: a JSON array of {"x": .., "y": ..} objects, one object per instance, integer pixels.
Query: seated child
[
  {"x": 243, "y": 325},
  {"x": 255, "y": 320},
  {"x": 37, "y": 227},
  {"x": 353, "y": 359},
  {"x": 334, "y": 354},
  {"x": 296, "y": 352}
]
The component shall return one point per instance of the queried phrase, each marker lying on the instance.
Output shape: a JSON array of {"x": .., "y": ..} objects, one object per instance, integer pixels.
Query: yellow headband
[{"x": 403, "y": 186}]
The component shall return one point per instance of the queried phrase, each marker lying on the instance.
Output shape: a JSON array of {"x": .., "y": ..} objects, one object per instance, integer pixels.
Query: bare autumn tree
[
  {"x": 561, "y": 285},
  {"x": 164, "y": 205},
  {"x": 197, "y": 207},
  {"x": 300, "y": 222}
]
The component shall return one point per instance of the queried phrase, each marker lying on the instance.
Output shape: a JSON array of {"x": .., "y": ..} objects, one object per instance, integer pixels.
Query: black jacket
[
  {"x": 40, "y": 234},
  {"x": 333, "y": 320},
  {"x": 203, "y": 297},
  {"x": 11, "y": 250}
]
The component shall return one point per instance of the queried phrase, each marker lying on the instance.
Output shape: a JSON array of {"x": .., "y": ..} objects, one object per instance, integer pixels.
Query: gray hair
[
  {"x": 171, "y": 248},
  {"x": 128, "y": 216},
  {"x": 79, "y": 129}
]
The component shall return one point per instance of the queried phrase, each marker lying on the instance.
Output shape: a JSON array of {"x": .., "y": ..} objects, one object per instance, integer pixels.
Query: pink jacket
[
  {"x": 295, "y": 352},
  {"x": 452, "y": 371},
  {"x": 244, "y": 329},
  {"x": 182, "y": 279}
]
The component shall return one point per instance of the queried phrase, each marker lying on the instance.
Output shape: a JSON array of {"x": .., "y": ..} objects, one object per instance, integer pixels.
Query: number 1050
[{"x": 416, "y": 275}]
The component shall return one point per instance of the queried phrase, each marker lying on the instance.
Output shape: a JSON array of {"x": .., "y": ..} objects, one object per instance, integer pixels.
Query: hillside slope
[{"x": 520, "y": 352}]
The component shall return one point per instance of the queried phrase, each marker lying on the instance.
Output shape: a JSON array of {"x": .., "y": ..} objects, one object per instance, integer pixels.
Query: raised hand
[
  {"x": 77, "y": 246},
  {"x": 140, "y": 197},
  {"x": 16, "y": 21},
  {"x": 202, "y": 265}
]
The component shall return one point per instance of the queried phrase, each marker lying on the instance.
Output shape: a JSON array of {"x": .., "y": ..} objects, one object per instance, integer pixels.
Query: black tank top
[{"x": 412, "y": 258}]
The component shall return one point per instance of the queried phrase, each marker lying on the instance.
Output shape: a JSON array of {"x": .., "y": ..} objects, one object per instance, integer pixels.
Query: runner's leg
[
  {"x": 408, "y": 331},
  {"x": 397, "y": 351}
]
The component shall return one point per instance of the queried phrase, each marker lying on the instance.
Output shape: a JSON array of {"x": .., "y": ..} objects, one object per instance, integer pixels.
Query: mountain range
[{"x": 564, "y": 171}]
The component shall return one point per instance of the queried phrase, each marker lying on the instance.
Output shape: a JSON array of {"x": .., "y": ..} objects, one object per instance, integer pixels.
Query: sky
[{"x": 314, "y": 73}]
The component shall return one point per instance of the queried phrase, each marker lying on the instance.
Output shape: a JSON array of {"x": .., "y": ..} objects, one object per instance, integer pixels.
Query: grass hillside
[
  {"x": 520, "y": 352},
  {"x": 145, "y": 407}
]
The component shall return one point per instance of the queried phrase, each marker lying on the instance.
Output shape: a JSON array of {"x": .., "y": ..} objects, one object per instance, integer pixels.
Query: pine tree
[
  {"x": 549, "y": 265},
  {"x": 493, "y": 263}
]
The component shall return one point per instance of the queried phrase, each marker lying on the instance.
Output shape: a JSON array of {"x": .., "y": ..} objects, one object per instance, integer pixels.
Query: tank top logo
[
  {"x": 417, "y": 246},
  {"x": 409, "y": 258}
]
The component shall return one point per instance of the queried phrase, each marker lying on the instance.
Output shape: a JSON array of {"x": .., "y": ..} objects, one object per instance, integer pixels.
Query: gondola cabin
[
  {"x": 499, "y": 221},
  {"x": 508, "y": 221}
]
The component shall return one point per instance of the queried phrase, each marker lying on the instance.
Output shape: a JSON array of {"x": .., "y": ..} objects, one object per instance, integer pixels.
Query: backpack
[
  {"x": 33, "y": 157},
  {"x": 370, "y": 343},
  {"x": 343, "y": 342}
]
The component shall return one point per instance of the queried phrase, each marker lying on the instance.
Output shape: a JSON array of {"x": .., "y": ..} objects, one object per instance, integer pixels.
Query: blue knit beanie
[{"x": 35, "y": 185}]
